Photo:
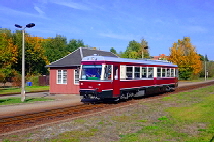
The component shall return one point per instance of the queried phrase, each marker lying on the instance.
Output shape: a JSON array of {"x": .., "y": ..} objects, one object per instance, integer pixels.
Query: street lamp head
[
  {"x": 30, "y": 25},
  {"x": 18, "y": 26},
  {"x": 146, "y": 47}
]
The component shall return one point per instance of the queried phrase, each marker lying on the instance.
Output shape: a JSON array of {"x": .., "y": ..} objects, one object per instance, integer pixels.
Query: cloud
[
  {"x": 9, "y": 11},
  {"x": 197, "y": 29},
  {"x": 71, "y": 5},
  {"x": 39, "y": 10},
  {"x": 123, "y": 37}
]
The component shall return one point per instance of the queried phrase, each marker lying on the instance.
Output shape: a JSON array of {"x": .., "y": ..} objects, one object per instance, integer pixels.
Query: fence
[{"x": 44, "y": 80}]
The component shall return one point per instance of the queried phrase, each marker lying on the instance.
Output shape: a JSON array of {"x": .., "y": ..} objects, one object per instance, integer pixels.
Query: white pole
[
  {"x": 23, "y": 66},
  {"x": 30, "y": 25},
  {"x": 205, "y": 69}
]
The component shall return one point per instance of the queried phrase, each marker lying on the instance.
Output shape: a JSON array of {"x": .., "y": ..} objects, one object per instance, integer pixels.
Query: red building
[{"x": 64, "y": 73}]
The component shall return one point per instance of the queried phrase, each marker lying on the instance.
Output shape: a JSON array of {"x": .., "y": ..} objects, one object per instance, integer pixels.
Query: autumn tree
[
  {"x": 184, "y": 54},
  {"x": 34, "y": 56},
  {"x": 8, "y": 55}
]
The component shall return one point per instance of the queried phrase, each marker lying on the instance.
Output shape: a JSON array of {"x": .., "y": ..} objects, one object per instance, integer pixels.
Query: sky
[{"x": 114, "y": 23}]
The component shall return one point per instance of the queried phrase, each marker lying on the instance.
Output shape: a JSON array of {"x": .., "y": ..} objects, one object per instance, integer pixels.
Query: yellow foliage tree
[
  {"x": 8, "y": 51},
  {"x": 184, "y": 54},
  {"x": 8, "y": 56}
]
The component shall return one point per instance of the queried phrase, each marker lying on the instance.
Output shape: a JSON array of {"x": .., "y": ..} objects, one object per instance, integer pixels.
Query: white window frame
[
  {"x": 130, "y": 72},
  {"x": 62, "y": 75},
  {"x": 144, "y": 72},
  {"x": 163, "y": 71},
  {"x": 137, "y": 72},
  {"x": 172, "y": 72},
  {"x": 75, "y": 77},
  {"x": 159, "y": 72}
]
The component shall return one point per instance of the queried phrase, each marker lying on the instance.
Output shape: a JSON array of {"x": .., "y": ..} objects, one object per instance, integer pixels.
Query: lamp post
[
  {"x": 205, "y": 69},
  {"x": 145, "y": 47},
  {"x": 30, "y": 25}
]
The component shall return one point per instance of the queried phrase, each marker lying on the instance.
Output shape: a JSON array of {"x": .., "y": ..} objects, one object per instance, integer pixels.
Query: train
[{"x": 104, "y": 78}]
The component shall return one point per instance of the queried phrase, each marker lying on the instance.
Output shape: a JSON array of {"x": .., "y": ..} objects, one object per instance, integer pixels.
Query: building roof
[
  {"x": 142, "y": 61},
  {"x": 74, "y": 58}
]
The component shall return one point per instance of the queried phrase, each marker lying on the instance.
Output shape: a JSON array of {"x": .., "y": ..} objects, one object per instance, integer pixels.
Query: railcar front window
[{"x": 91, "y": 72}]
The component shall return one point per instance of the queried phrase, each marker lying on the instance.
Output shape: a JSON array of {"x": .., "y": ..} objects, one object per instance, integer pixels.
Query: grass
[
  {"x": 27, "y": 88},
  {"x": 181, "y": 117},
  {"x": 73, "y": 136},
  {"x": 16, "y": 100},
  {"x": 197, "y": 80}
]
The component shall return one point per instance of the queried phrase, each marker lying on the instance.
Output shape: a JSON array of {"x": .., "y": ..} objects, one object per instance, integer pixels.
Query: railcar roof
[{"x": 113, "y": 59}]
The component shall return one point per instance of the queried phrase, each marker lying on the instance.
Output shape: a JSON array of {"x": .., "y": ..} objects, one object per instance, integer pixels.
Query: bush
[
  {"x": 210, "y": 69},
  {"x": 34, "y": 79},
  {"x": 17, "y": 79}
]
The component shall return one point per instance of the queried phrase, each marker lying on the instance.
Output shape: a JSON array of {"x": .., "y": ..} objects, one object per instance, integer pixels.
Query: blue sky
[{"x": 113, "y": 23}]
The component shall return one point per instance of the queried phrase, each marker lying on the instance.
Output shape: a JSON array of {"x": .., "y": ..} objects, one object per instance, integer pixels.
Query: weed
[{"x": 79, "y": 120}]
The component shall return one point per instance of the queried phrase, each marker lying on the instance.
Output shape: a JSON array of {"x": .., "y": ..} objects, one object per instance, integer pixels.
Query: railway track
[{"x": 9, "y": 124}]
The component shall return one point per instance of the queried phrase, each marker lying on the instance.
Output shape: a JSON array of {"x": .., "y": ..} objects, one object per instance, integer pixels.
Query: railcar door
[{"x": 116, "y": 81}]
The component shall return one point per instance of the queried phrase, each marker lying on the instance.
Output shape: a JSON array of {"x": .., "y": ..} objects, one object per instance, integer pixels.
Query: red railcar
[{"x": 119, "y": 78}]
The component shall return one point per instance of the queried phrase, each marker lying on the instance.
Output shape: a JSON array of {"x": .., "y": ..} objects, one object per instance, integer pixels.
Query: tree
[
  {"x": 206, "y": 58},
  {"x": 203, "y": 58},
  {"x": 184, "y": 54},
  {"x": 144, "y": 49},
  {"x": 112, "y": 50},
  {"x": 136, "y": 49},
  {"x": 8, "y": 55},
  {"x": 74, "y": 45},
  {"x": 55, "y": 48}
]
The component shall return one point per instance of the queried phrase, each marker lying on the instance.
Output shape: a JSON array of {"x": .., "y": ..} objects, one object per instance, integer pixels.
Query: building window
[
  {"x": 76, "y": 76},
  {"x": 137, "y": 72},
  {"x": 62, "y": 77},
  {"x": 158, "y": 72}
]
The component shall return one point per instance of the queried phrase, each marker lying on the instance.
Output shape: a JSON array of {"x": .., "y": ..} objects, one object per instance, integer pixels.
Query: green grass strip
[{"x": 17, "y": 100}]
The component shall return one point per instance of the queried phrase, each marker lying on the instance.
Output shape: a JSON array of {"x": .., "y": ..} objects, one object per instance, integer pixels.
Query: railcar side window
[
  {"x": 150, "y": 72},
  {"x": 129, "y": 71},
  {"x": 137, "y": 72},
  {"x": 172, "y": 73},
  {"x": 144, "y": 72},
  {"x": 158, "y": 72},
  {"x": 163, "y": 72},
  {"x": 176, "y": 72},
  {"x": 168, "y": 72},
  {"x": 108, "y": 72}
]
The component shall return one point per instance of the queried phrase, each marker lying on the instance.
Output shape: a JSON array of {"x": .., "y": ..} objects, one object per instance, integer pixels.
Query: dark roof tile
[{"x": 74, "y": 58}]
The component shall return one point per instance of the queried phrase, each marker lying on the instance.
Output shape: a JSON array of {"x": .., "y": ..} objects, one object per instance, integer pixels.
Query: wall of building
[{"x": 69, "y": 88}]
